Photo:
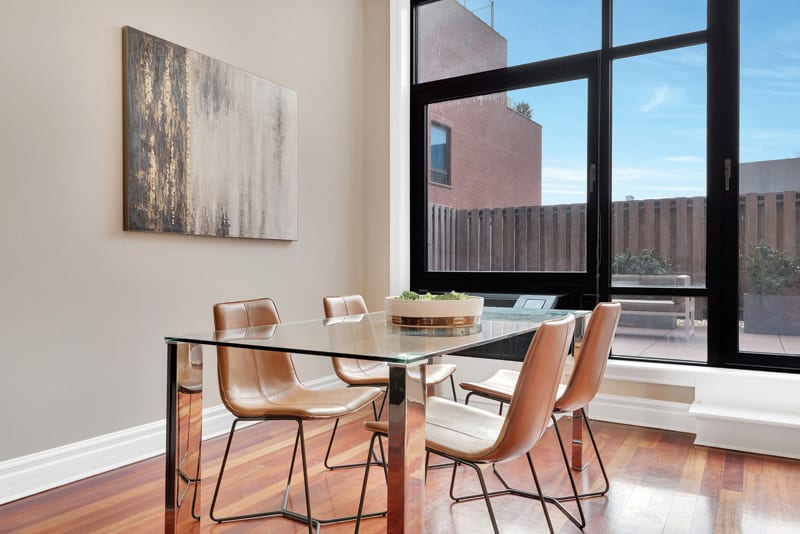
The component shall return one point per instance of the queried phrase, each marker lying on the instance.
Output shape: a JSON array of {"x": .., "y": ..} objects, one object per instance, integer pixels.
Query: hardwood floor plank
[{"x": 729, "y": 513}]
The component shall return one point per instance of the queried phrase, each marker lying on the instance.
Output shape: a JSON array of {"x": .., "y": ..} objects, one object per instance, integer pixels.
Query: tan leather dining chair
[
  {"x": 587, "y": 374},
  {"x": 366, "y": 372},
  {"x": 263, "y": 385},
  {"x": 471, "y": 436}
]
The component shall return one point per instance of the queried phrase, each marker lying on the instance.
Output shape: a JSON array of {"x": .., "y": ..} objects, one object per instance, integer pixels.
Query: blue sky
[{"x": 659, "y": 100}]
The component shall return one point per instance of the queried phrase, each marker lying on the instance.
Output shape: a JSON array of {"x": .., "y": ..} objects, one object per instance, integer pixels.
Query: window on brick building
[{"x": 440, "y": 154}]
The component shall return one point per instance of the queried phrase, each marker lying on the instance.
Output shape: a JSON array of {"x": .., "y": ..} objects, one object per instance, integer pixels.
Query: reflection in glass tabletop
[{"x": 369, "y": 337}]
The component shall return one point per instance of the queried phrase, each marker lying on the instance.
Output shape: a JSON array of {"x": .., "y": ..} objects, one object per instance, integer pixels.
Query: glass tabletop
[{"x": 370, "y": 337}]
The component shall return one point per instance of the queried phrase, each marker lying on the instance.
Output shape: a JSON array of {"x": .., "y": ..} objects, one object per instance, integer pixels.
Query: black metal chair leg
[
  {"x": 582, "y": 522},
  {"x": 307, "y": 518},
  {"x": 367, "y": 465},
  {"x": 222, "y": 472},
  {"x": 539, "y": 491},
  {"x": 485, "y": 495},
  {"x": 606, "y": 483},
  {"x": 453, "y": 388},
  {"x": 579, "y": 522},
  {"x": 376, "y": 413},
  {"x": 471, "y": 393}
]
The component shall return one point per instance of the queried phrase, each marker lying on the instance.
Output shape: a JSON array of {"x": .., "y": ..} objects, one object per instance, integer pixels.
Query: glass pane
[
  {"x": 658, "y": 215},
  {"x": 517, "y": 194},
  {"x": 662, "y": 327},
  {"x": 458, "y": 37},
  {"x": 769, "y": 177},
  {"x": 635, "y": 20}
]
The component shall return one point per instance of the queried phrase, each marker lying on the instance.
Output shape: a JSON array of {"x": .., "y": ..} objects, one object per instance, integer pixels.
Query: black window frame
[{"x": 721, "y": 38}]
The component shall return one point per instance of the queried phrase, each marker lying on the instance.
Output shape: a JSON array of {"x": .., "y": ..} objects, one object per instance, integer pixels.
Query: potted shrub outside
[{"x": 772, "y": 302}]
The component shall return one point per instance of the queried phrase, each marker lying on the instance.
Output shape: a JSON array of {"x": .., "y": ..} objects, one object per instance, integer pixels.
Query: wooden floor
[{"x": 661, "y": 482}]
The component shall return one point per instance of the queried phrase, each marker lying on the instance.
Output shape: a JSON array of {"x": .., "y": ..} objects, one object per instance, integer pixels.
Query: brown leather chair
[
  {"x": 369, "y": 373},
  {"x": 471, "y": 436},
  {"x": 587, "y": 374},
  {"x": 263, "y": 385}
]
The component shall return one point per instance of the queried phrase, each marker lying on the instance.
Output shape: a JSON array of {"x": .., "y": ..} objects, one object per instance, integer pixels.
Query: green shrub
[
  {"x": 646, "y": 262},
  {"x": 770, "y": 271}
]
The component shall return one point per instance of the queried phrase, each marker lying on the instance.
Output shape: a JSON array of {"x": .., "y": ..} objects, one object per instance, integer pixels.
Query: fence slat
[
  {"x": 496, "y": 257},
  {"x": 698, "y": 240},
  {"x": 634, "y": 239},
  {"x": 534, "y": 216},
  {"x": 790, "y": 222},
  {"x": 484, "y": 259},
  {"x": 521, "y": 239},
  {"x": 770, "y": 214},
  {"x": 508, "y": 239},
  {"x": 680, "y": 259}
]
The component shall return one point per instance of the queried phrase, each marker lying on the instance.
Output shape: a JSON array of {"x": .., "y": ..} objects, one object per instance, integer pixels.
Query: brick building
[{"x": 483, "y": 153}]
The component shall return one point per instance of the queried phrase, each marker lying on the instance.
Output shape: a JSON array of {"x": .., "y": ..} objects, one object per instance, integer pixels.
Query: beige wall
[{"x": 85, "y": 306}]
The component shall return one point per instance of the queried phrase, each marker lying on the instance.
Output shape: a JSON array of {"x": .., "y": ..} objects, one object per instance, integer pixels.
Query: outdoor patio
[{"x": 670, "y": 344}]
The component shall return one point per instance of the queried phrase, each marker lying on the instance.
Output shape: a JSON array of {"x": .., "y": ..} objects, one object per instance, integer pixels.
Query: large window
[
  {"x": 605, "y": 166},
  {"x": 769, "y": 179}
]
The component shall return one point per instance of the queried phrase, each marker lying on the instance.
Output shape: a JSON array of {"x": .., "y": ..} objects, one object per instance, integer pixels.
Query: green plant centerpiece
[
  {"x": 448, "y": 310},
  {"x": 771, "y": 304}
]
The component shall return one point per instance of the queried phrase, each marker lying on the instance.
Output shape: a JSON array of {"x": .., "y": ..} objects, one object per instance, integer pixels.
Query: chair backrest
[
  {"x": 245, "y": 374},
  {"x": 337, "y": 306},
  {"x": 590, "y": 363},
  {"x": 535, "y": 392}
]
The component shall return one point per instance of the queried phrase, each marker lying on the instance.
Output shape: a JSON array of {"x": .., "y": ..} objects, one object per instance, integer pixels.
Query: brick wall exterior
[{"x": 495, "y": 152}]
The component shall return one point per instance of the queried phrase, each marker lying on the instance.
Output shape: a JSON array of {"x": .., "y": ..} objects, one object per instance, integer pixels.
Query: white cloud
[
  {"x": 663, "y": 94},
  {"x": 659, "y": 97}
]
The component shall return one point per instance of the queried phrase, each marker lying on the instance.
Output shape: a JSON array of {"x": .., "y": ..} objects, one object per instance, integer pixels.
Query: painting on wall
[{"x": 209, "y": 149}]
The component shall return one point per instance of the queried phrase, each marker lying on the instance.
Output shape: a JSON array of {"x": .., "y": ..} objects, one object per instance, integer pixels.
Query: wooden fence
[{"x": 553, "y": 238}]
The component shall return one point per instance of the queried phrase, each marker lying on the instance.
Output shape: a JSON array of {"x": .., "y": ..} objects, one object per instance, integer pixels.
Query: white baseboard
[
  {"x": 749, "y": 430},
  {"x": 642, "y": 412},
  {"x": 34, "y": 473}
]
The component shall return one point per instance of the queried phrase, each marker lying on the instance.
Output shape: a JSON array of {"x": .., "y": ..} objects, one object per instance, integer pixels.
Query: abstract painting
[{"x": 209, "y": 149}]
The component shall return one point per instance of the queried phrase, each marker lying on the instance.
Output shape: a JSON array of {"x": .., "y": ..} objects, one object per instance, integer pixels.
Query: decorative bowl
[{"x": 433, "y": 313}]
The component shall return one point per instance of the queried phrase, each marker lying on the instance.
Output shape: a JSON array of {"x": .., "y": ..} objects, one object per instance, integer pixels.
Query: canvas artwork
[{"x": 209, "y": 149}]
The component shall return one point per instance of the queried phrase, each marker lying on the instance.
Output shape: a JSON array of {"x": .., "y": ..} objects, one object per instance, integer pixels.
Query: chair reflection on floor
[{"x": 190, "y": 384}]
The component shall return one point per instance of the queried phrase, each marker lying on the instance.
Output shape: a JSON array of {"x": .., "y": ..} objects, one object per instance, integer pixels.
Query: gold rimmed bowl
[{"x": 433, "y": 313}]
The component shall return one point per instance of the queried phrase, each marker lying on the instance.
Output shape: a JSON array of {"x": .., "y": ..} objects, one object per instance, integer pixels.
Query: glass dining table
[{"x": 501, "y": 334}]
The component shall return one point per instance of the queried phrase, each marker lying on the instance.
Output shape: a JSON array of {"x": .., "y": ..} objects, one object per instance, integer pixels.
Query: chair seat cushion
[
  {"x": 378, "y": 375},
  {"x": 438, "y": 372},
  {"x": 455, "y": 429},
  {"x": 500, "y": 386},
  {"x": 305, "y": 403}
]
